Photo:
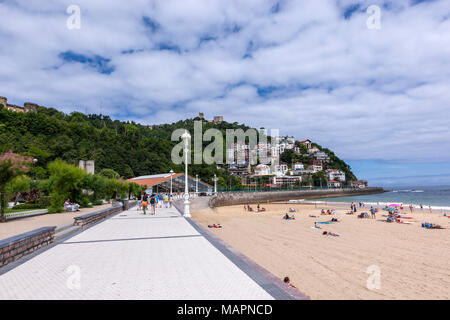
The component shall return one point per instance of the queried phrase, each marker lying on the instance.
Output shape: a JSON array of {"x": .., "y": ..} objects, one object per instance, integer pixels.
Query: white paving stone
[{"x": 132, "y": 256}]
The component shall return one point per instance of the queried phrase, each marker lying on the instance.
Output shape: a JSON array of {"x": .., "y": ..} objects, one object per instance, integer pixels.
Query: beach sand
[{"x": 414, "y": 262}]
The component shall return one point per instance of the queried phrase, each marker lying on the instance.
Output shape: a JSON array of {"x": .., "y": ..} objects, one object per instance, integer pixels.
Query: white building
[
  {"x": 299, "y": 166},
  {"x": 262, "y": 170},
  {"x": 335, "y": 174},
  {"x": 313, "y": 150},
  {"x": 321, "y": 156},
  {"x": 315, "y": 168},
  {"x": 334, "y": 184},
  {"x": 286, "y": 180}
]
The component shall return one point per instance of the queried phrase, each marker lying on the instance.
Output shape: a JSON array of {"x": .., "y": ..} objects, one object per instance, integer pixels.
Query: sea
[{"x": 438, "y": 197}]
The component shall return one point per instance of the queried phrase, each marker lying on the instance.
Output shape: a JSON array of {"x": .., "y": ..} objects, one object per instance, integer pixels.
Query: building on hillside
[
  {"x": 27, "y": 106},
  {"x": 334, "y": 184},
  {"x": 315, "y": 165},
  {"x": 297, "y": 150},
  {"x": 313, "y": 150},
  {"x": 262, "y": 170},
  {"x": 298, "y": 166},
  {"x": 335, "y": 174},
  {"x": 161, "y": 183},
  {"x": 239, "y": 169},
  {"x": 320, "y": 156},
  {"x": 88, "y": 166},
  {"x": 218, "y": 119},
  {"x": 287, "y": 180},
  {"x": 359, "y": 184},
  {"x": 306, "y": 142}
]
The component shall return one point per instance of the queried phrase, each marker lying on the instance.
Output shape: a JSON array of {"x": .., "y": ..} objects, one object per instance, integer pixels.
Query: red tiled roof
[{"x": 153, "y": 181}]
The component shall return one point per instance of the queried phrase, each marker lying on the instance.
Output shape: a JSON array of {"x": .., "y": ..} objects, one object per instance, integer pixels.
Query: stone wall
[
  {"x": 16, "y": 247},
  {"x": 94, "y": 217},
  {"x": 227, "y": 199}
]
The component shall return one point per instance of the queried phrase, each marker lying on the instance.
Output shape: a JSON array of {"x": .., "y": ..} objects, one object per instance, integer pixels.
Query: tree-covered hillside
[{"x": 129, "y": 148}]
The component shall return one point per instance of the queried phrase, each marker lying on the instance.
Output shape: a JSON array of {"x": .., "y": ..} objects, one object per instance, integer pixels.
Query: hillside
[{"x": 129, "y": 148}]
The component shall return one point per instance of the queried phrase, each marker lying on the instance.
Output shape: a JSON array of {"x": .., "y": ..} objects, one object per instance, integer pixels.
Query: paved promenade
[{"x": 131, "y": 256}]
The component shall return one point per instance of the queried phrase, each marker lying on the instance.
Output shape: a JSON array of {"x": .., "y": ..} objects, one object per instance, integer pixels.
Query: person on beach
[
  {"x": 431, "y": 211},
  {"x": 170, "y": 200},
  {"x": 329, "y": 233},
  {"x": 411, "y": 208},
  {"x": 372, "y": 211},
  {"x": 288, "y": 282},
  {"x": 421, "y": 207}
]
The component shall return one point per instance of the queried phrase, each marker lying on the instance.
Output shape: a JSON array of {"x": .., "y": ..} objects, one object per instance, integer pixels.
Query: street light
[
  {"x": 186, "y": 137},
  {"x": 171, "y": 174},
  {"x": 196, "y": 184},
  {"x": 34, "y": 168},
  {"x": 215, "y": 184}
]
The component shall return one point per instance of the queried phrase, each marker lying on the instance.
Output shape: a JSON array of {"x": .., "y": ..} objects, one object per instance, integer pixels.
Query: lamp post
[
  {"x": 186, "y": 137},
  {"x": 171, "y": 174},
  {"x": 34, "y": 168},
  {"x": 215, "y": 184},
  {"x": 196, "y": 184}
]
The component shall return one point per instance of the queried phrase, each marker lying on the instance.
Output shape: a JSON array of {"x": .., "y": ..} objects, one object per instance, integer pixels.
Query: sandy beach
[{"x": 414, "y": 262}]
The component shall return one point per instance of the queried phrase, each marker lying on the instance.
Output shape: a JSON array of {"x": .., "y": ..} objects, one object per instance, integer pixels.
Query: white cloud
[{"x": 365, "y": 94}]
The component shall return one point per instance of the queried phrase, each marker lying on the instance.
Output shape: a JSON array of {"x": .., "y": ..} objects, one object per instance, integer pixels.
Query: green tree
[
  {"x": 109, "y": 173},
  {"x": 18, "y": 185},
  {"x": 66, "y": 182},
  {"x": 11, "y": 165}
]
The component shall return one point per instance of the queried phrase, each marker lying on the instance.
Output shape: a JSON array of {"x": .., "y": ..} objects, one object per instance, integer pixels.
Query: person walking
[
  {"x": 144, "y": 203},
  {"x": 139, "y": 199},
  {"x": 170, "y": 200},
  {"x": 153, "y": 204},
  {"x": 166, "y": 201}
]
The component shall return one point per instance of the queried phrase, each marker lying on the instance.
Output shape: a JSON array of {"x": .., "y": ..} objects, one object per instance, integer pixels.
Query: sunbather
[{"x": 328, "y": 233}]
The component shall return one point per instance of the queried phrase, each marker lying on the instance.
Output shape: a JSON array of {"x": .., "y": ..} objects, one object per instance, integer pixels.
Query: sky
[{"x": 379, "y": 98}]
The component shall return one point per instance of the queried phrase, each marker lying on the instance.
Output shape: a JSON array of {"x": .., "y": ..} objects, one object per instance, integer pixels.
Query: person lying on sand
[
  {"x": 287, "y": 217},
  {"x": 322, "y": 211},
  {"x": 312, "y": 216},
  {"x": 288, "y": 282},
  {"x": 334, "y": 220},
  {"x": 431, "y": 226},
  {"x": 328, "y": 233},
  {"x": 214, "y": 225},
  {"x": 292, "y": 210}
]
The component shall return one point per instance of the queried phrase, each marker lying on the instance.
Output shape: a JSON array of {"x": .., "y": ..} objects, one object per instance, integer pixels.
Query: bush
[
  {"x": 25, "y": 206},
  {"x": 97, "y": 202}
]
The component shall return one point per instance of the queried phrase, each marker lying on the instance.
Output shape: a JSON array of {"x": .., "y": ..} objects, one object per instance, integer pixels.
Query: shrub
[
  {"x": 25, "y": 206},
  {"x": 97, "y": 202}
]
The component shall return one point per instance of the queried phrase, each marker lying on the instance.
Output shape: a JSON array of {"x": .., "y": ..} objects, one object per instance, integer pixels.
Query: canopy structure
[{"x": 161, "y": 183}]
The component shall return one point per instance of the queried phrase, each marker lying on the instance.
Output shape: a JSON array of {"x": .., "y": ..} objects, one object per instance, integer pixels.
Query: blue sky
[{"x": 312, "y": 69}]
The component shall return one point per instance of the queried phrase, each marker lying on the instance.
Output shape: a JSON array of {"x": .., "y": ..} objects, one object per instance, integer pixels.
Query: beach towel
[{"x": 326, "y": 222}]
